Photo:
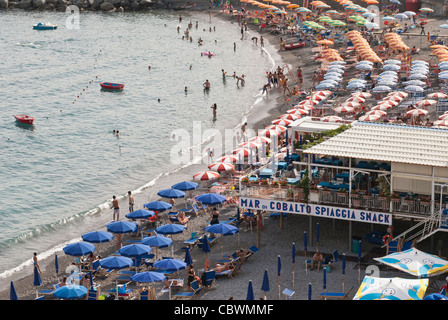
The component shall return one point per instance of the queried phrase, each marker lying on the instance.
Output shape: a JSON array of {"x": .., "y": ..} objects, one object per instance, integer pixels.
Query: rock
[
  {"x": 49, "y": 6},
  {"x": 39, "y": 4},
  {"x": 61, "y": 7},
  {"x": 120, "y": 9},
  {"x": 12, "y": 4},
  {"x": 25, "y": 4},
  {"x": 135, "y": 6},
  {"x": 4, "y": 4},
  {"x": 146, "y": 3},
  {"x": 107, "y": 6}
]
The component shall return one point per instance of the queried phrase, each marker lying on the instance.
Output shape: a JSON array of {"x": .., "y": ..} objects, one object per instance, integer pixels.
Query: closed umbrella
[
  {"x": 12, "y": 292},
  {"x": 343, "y": 270},
  {"x": 325, "y": 283},
  {"x": 359, "y": 260},
  {"x": 37, "y": 281},
  {"x": 188, "y": 259},
  {"x": 310, "y": 291},
  {"x": 56, "y": 264},
  {"x": 250, "y": 291},
  {"x": 279, "y": 269},
  {"x": 70, "y": 292},
  {"x": 293, "y": 254},
  {"x": 305, "y": 249},
  {"x": 265, "y": 284}
]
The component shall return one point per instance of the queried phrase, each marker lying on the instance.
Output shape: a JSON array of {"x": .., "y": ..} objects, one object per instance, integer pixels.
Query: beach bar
[{"x": 368, "y": 172}]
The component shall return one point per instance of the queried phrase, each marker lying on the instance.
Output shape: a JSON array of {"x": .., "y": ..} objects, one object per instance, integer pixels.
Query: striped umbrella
[
  {"x": 278, "y": 128},
  {"x": 361, "y": 94},
  {"x": 426, "y": 103},
  {"x": 291, "y": 116},
  {"x": 437, "y": 95},
  {"x": 206, "y": 175},
  {"x": 260, "y": 139},
  {"x": 244, "y": 152},
  {"x": 228, "y": 159},
  {"x": 376, "y": 113},
  {"x": 381, "y": 107},
  {"x": 297, "y": 112},
  {"x": 221, "y": 166},
  {"x": 267, "y": 133},
  {"x": 356, "y": 99},
  {"x": 344, "y": 109},
  {"x": 416, "y": 112},
  {"x": 282, "y": 122},
  {"x": 369, "y": 118},
  {"x": 331, "y": 119},
  {"x": 443, "y": 122},
  {"x": 352, "y": 104}
]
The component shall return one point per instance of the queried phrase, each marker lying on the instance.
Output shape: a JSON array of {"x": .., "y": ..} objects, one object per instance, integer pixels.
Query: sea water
[{"x": 58, "y": 176}]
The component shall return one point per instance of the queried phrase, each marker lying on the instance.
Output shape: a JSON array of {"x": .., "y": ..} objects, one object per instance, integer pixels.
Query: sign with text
[{"x": 317, "y": 210}]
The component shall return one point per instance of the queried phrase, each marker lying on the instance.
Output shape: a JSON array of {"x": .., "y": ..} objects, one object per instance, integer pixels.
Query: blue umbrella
[
  {"x": 310, "y": 290},
  {"x": 135, "y": 250},
  {"x": 305, "y": 249},
  {"x": 157, "y": 206},
  {"x": 116, "y": 262},
  {"x": 436, "y": 296},
  {"x": 121, "y": 227},
  {"x": 250, "y": 292},
  {"x": 170, "y": 264},
  {"x": 325, "y": 282},
  {"x": 185, "y": 185},
  {"x": 343, "y": 270},
  {"x": 359, "y": 260},
  {"x": 211, "y": 198},
  {"x": 97, "y": 236},
  {"x": 56, "y": 264},
  {"x": 293, "y": 261},
  {"x": 172, "y": 228},
  {"x": 188, "y": 260},
  {"x": 279, "y": 269},
  {"x": 148, "y": 276},
  {"x": 78, "y": 249},
  {"x": 222, "y": 228},
  {"x": 140, "y": 214},
  {"x": 37, "y": 281},
  {"x": 157, "y": 241},
  {"x": 12, "y": 292},
  {"x": 265, "y": 284},
  {"x": 171, "y": 193},
  {"x": 205, "y": 244},
  {"x": 72, "y": 291}
]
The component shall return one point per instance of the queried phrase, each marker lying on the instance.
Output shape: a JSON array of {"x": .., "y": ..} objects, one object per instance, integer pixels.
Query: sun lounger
[
  {"x": 211, "y": 241},
  {"x": 190, "y": 294},
  {"x": 335, "y": 295},
  {"x": 49, "y": 291},
  {"x": 93, "y": 294}
]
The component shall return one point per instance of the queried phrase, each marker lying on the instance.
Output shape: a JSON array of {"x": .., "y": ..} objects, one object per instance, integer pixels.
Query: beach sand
[{"x": 274, "y": 239}]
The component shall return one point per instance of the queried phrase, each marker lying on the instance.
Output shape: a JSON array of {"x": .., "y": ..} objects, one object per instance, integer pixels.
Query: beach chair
[
  {"x": 210, "y": 277},
  {"x": 93, "y": 294},
  {"x": 253, "y": 250},
  {"x": 192, "y": 241},
  {"x": 49, "y": 291},
  {"x": 329, "y": 265},
  {"x": 288, "y": 293},
  {"x": 190, "y": 294},
  {"x": 335, "y": 295}
]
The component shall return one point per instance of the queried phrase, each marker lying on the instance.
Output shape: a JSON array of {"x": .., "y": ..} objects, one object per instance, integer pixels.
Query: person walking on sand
[
  {"x": 131, "y": 201},
  {"x": 300, "y": 76},
  {"x": 243, "y": 131},
  {"x": 116, "y": 208},
  {"x": 261, "y": 41}
]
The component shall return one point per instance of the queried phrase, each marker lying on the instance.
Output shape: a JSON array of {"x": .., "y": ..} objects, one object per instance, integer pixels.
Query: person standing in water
[
  {"x": 206, "y": 85},
  {"x": 214, "y": 107}
]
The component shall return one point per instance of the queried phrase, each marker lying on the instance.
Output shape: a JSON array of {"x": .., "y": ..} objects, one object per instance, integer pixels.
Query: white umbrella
[
  {"x": 417, "y": 76},
  {"x": 393, "y": 61},
  {"x": 401, "y": 16},
  {"x": 413, "y": 89},
  {"x": 371, "y": 25},
  {"x": 221, "y": 166},
  {"x": 415, "y": 262},
  {"x": 391, "y": 67},
  {"x": 414, "y": 83},
  {"x": 374, "y": 288},
  {"x": 382, "y": 89},
  {"x": 410, "y": 13}
]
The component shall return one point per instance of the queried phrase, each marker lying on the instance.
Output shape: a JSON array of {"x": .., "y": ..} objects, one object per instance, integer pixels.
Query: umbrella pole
[
  {"x": 278, "y": 280},
  {"x": 342, "y": 283},
  {"x": 306, "y": 266}
]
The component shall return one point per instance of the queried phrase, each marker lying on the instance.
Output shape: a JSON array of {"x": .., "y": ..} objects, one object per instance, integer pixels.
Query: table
[
  {"x": 265, "y": 173},
  {"x": 282, "y": 165}
]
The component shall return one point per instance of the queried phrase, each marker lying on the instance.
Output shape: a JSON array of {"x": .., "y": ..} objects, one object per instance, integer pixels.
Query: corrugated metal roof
[
  {"x": 388, "y": 142},
  {"x": 306, "y": 124}
]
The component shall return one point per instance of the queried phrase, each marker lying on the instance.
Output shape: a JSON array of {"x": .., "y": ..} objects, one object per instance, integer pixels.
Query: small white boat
[{"x": 44, "y": 26}]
